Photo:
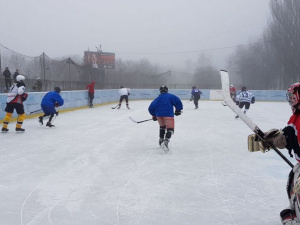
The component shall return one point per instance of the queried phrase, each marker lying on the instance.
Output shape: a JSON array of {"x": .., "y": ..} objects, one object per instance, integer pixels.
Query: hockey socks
[
  {"x": 6, "y": 120},
  {"x": 20, "y": 120}
]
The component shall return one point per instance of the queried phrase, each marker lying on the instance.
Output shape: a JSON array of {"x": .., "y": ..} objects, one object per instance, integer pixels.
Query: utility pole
[
  {"x": 170, "y": 74},
  {"x": 44, "y": 70},
  {"x": 69, "y": 61}
]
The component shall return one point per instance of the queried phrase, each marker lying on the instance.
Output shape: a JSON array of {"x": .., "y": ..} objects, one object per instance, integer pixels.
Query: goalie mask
[{"x": 292, "y": 95}]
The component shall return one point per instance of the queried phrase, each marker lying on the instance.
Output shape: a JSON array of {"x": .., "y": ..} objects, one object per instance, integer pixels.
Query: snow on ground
[{"x": 98, "y": 167}]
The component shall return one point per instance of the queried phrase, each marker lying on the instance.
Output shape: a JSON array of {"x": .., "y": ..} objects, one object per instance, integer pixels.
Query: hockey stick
[
  {"x": 115, "y": 106},
  {"x": 187, "y": 102},
  {"x": 28, "y": 113},
  {"x": 142, "y": 121},
  {"x": 36, "y": 111},
  {"x": 228, "y": 100}
]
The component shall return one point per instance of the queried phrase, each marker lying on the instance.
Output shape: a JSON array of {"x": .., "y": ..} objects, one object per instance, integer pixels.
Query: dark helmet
[
  {"x": 163, "y": 89},
  {"x": 194, "y": 87},
  {"x": 122, "y": 86},
  {"x": 57, "y": 89},
  {"x": 244, "y": 88}
]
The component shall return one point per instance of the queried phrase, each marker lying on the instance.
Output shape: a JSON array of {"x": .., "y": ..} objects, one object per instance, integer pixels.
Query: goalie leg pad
[{"x": 288, "y": 217}]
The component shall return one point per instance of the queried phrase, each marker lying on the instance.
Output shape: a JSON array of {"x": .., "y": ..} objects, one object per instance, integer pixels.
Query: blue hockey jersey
[{"x": 163, "y": 105}]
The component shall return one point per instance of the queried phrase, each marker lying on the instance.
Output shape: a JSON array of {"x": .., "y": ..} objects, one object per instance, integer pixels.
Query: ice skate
[
  {"x": 119, "y": 107},
  {"x": 160, "y": 141},
  {"x": 20, "y": 130},
  {"x": 237, "y": 117},
  {"x": 165, "y": 144},
  {"x": 127, "y": 106},
  {"x": 49, "y": 125},
  {"x": 40, "y": 119},
  {"x": 4, "y": 130}
]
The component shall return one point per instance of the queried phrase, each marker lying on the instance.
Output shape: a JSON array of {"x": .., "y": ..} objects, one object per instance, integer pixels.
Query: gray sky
[{"x": 167, "y": 32}]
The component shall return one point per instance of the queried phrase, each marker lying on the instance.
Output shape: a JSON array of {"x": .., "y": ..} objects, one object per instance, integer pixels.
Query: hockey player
[
  {"x": 15, "y": 99},
  {"x": 232, "y": 92},
  {"x": 124, "y": 93},
  {"x": 91, "y": 90},
  {"x": 51, "y": 100},
  {"x": 195, "y": 95},
  {"x": 289, "y": 138},
  {"x": 244, "y": 99},
  {"x": 162, "y": 110}
]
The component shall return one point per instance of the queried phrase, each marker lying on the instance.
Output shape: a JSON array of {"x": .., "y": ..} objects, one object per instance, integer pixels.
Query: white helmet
[{"x": 20, "y": 77}]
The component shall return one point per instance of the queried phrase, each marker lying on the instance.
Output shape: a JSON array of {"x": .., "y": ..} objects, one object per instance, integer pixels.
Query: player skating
[
  {"x": 287, "y": 138},
  {"x": 195, "y": 95},
  {"x": 14, "y": 101},
  {"x": 162, "y": 110},
  {"x": 124, "y": 93},
  {"x": 244, "y": 99},
  {"x": 51, "y": 100}
]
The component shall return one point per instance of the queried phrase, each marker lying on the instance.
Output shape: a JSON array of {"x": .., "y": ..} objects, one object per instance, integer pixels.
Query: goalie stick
[
  {"x": 142, "y": 121},
  {"x": 229, "y": 102}
]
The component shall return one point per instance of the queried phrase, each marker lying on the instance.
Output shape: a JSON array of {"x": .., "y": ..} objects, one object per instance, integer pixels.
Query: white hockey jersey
[
  {"x": 15, "y": 92},
  {"x": 245, "y": 96},
  {"x": 124, "y": 91}
]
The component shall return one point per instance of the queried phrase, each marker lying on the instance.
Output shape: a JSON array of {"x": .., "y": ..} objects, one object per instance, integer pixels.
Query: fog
[{"x": 169, "y": 32}]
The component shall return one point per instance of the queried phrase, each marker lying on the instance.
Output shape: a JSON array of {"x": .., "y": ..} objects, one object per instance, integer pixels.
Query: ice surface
[{"x": 98, "y": 167}]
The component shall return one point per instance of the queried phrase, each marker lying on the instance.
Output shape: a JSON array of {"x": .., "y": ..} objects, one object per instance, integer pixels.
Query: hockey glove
[
  {"x": 191, "y": 99},
  {"x": 177, "y": 113},
  {"x": 275, "y": 137},
  {"x": 272, "y": 137},
  {"x": 56, "y": 104},
  {"x": 154, "y": 118},
  {"x": 24, "y": 97},
  {"x": 237, "y": 103}
]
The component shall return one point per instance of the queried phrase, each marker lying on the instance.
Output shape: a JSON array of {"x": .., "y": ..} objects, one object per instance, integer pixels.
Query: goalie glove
[
  {"x": 254, "y": 144},
  {"x": 272, "y": 137}
]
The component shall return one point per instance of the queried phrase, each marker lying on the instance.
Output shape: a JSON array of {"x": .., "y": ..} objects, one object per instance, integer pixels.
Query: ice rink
[{"x": 97, "y": 167}]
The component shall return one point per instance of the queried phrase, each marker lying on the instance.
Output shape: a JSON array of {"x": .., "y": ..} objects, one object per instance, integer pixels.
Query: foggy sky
[{"x": 167, "y": 32}]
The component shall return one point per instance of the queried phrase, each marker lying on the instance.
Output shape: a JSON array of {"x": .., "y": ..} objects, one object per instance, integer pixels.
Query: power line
[{"x": 194, "y": 51}]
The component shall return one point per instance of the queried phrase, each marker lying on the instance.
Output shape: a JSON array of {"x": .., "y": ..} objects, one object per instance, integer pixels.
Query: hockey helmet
[
  {"x": 20, "y": 77},
  {"x": 292, "y": 94},
  {"x": 194, "y": 87},
  {"x": 121, "y": 86},
  {"x": 231, "y": 85},
  {"x": 244, "y": 88},
  {"x": 163, "y": 89},
  {"x": 57, "y": 89}
]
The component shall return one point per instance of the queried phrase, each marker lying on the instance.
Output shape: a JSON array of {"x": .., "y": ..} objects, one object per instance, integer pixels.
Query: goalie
[{"x": 286, "y": 138}]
